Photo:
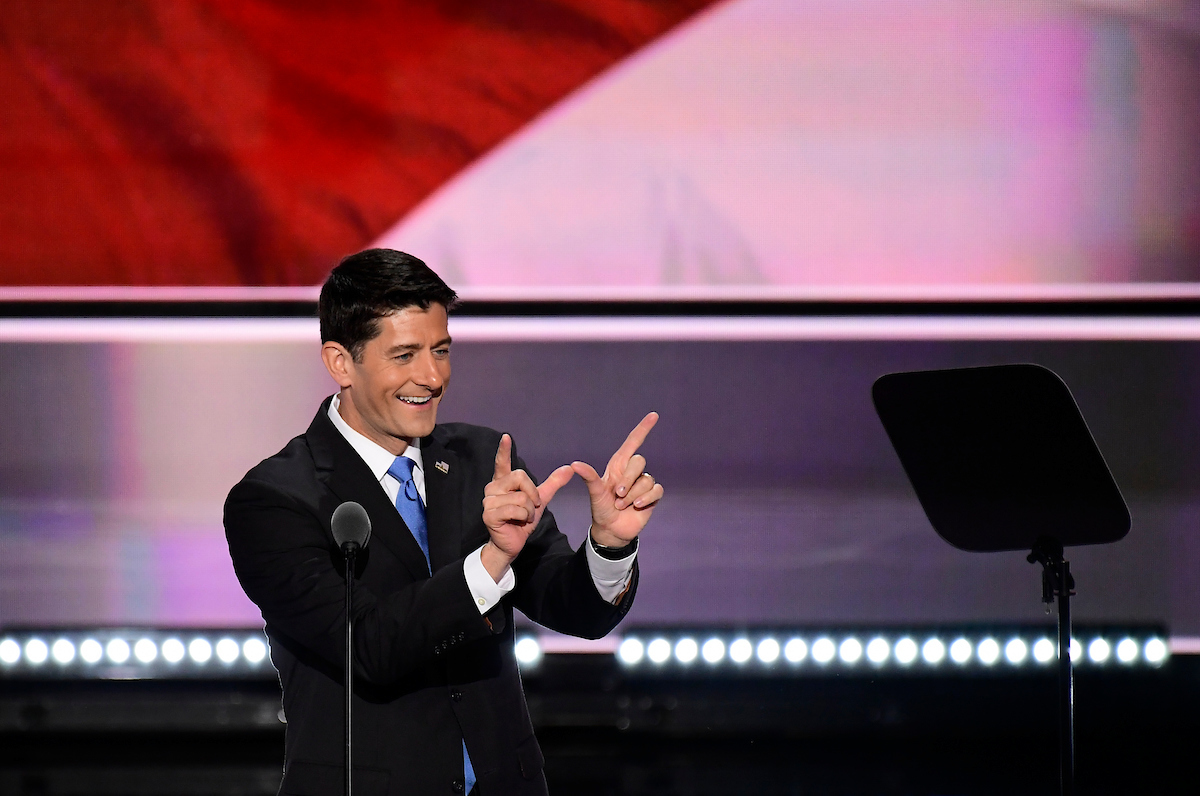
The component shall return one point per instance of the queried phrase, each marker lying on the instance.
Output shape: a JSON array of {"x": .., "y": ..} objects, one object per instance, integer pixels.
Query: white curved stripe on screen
[
  {"x": 616, "y": 329},
  {"x": 754, "y": 143},
  {"x": 1116, "y": 291}
]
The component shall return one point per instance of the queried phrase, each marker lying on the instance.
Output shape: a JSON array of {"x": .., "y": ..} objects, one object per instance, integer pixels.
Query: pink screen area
[{"x": 781, "y": 144}]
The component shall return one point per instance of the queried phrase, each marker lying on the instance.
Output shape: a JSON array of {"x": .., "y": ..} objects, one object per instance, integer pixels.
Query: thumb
[
  {"x": 556, "y": 481},
  {"x": 503, "y": 458},
  {"x": 595, "y": 484}
]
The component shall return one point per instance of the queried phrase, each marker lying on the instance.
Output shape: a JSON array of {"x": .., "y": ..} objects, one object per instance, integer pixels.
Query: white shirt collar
[{"x": 378, "y": 458}]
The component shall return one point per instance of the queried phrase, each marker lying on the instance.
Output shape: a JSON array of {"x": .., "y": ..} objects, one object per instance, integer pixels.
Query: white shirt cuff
[
  {"x": 611, "y": 577},
  {"x": 485, "y": 591}
]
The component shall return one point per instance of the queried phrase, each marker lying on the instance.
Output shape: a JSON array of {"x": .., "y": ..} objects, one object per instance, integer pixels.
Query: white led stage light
[
  {"x": 685, "y": 650},
  {"x": 713, "y": 650},
  {"x": 1099, "y": 650},
  {"x": 10, "y": 652},
  {"x": 1076, "y": 650},
  {"x": 631, "y": 651},
  {"x": 145, "y": 650},
  {"x": 199, "y": 650},
  {"x": 659, "y": 650},
  {"x": 36, "y": 651},
  {"x": 117, "y": 650},
  {"x": 1155, "y": 651},
  {"x": 905, "y": 650},
  {"x": 960, "y": 651},
  {"x": 63, "y": 651},
  {"x": 740, "y": 650},
  {"x": 850, "y": 650},
  {"x": 528, "y": 651},
  {"x": 227, "y": 650},
  {"x": 254, "y": 650},
  {"x": 795, "y": 650},
  {"x": 878, "y": 650},
  {"x": 1127, "y": 650},
  {"x": 173, "y": 650},
  {"x": 1015, "y": 651},
  {"x": 1044, "y": 650},
  {"x": 988, "y": 651},
  {"x": 768, "y": 650},
  {"x": 933, "y": 651},
  {"x": 91, "y": 651},
  {"x": 823, "y": 650}
]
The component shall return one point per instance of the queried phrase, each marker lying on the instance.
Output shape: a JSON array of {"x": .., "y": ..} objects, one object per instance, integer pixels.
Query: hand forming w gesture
[
  {"x": 622, "y": 499},
  {"x": 513, "y": 506},
  {"x": 625, "y": 496}
]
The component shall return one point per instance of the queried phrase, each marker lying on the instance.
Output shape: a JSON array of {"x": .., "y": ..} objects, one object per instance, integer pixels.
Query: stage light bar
[
  {"x": 936, "y": 651},
  {"x": 124, "y": 654},
  {"x": 134, "y": 654}
]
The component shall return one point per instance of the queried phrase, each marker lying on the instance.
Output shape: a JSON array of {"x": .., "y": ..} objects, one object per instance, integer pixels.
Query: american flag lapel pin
[{"x": 442, "y": 467}]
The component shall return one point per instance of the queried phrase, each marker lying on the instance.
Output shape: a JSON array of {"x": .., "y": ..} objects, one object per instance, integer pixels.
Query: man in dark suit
[{"x": 460, "y": 537}]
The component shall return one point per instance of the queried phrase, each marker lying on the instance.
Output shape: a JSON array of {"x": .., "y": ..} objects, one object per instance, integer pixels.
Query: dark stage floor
[{"x": 605, "y": 733}]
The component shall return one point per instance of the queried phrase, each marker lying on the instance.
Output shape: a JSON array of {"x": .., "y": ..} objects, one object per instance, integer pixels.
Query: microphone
[{"x": 351, "y": 526}]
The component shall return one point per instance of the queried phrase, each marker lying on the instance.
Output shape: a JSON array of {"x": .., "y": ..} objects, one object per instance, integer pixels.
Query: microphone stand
[
  {"x": 351, "y": 529},
  {"x": 349, "y": 552}
]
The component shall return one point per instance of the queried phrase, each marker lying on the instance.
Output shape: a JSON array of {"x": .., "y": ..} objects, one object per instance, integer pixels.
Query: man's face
[{"x": 395, "y": 390}]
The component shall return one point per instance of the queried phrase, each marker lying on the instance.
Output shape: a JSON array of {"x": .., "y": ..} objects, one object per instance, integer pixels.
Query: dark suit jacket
[{"x": 429, "y": 669}]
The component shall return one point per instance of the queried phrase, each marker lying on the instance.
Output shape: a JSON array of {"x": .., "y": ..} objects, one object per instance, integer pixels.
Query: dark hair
[{"x": 365, "y": 287}]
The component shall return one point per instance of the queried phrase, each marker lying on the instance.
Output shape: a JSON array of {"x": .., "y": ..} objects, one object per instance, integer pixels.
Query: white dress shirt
[{"x": 611, "y": 577}]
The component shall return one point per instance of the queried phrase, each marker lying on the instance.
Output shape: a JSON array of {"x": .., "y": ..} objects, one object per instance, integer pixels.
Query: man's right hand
[{"x": 512, "y": 507}]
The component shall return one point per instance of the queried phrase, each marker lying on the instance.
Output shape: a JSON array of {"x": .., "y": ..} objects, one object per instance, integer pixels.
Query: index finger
[
  {"x": 635, "y": 439},
  {"x": 503, "y": 458}
]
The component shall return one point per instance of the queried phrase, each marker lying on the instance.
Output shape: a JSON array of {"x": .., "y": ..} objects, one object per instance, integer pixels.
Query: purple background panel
[{"x": 785, "y": 503}]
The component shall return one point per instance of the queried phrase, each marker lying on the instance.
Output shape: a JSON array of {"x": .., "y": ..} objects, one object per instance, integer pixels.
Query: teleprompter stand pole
[{"x": 1057, "y": 582}]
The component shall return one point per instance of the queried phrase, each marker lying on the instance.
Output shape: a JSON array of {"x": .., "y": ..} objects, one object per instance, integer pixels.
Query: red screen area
[{"x": 254, "y": 143}]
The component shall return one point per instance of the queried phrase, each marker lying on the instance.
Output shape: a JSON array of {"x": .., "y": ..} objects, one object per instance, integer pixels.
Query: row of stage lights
[
  {"x": 879, "y": 651},
  {"x": 115, "y": 654},
  {"x": 158, "y": 653}
]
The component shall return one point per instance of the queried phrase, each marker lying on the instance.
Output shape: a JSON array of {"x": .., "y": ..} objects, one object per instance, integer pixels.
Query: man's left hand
[{"x": 625, "y": 496}]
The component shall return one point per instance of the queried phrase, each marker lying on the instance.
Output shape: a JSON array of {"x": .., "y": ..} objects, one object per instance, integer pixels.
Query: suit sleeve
[
  {"x": 284, "y": 561},
  {"x": 555, "y": 587}
]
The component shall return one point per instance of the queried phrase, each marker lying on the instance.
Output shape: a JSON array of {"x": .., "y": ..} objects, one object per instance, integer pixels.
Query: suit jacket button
[
  {"x": 456, "y": 695},
  {"x": 458, "y": 786}
]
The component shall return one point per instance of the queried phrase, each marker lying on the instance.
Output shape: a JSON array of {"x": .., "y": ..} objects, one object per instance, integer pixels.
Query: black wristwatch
[{"x": 613, "y": 553}]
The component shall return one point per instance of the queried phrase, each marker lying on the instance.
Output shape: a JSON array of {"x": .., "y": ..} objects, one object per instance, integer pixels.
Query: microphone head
[{"x": 350, "y": 523}]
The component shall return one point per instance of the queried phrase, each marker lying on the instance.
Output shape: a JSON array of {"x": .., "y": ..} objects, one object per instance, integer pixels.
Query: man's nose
[{"x": 428, "y": 373}]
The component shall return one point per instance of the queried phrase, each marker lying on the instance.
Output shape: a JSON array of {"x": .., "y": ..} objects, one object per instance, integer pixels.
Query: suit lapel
[
  {"x": 341, "y": 469},
  {"x": 443, "y": 500}
]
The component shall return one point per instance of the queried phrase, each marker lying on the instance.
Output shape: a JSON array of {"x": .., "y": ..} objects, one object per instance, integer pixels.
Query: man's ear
[{"x": 338, "y": 362}]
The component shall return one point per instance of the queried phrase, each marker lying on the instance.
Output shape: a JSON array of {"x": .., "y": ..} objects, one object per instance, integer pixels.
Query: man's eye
[
  {"x": 442, "y": 352},
  {"x": 403, "y": 357}
]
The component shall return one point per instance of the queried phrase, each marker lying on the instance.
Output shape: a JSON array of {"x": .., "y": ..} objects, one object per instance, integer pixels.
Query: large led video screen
[{"x": 634, "y": 149}]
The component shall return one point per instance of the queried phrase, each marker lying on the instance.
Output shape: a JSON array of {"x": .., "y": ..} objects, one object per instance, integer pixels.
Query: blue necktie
[
  {"x": 408, "y": 503},
  {"x": 412, "y": 511}
]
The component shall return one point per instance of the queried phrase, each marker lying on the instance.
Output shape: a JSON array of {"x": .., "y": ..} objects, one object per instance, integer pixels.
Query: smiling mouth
[{"x": 415, "y": 400}]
